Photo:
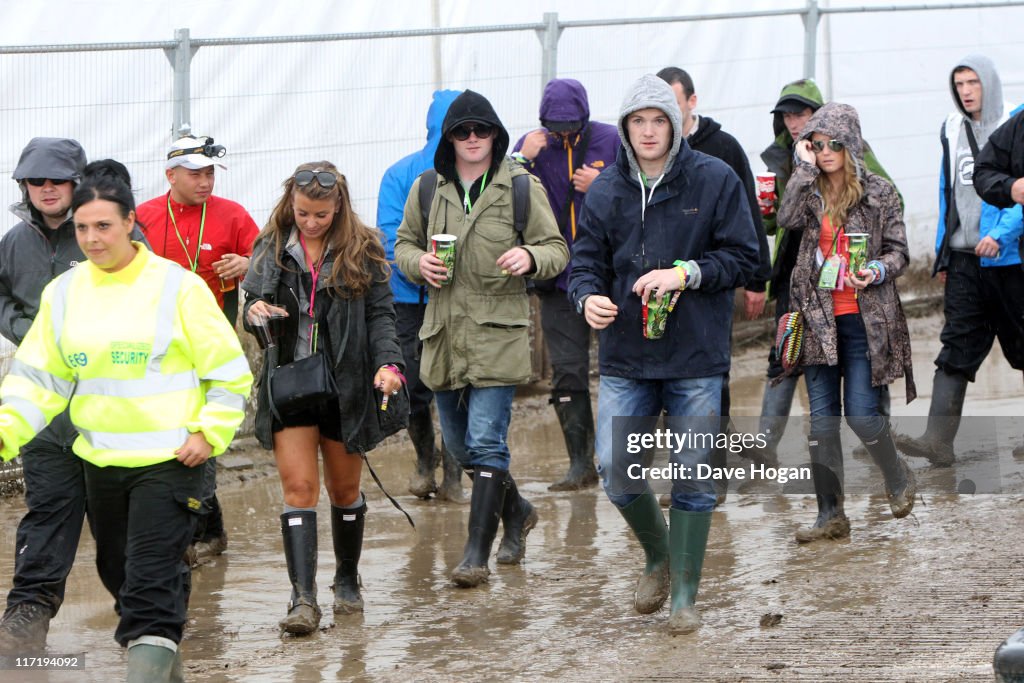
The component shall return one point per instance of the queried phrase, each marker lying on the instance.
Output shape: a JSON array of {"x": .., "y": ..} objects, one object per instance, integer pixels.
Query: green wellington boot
[
  {"x": 688, "y": 539},
  {"x": 648, "y": 524}
]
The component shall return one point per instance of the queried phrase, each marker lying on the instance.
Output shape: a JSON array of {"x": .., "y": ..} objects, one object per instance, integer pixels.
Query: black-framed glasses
[
  {"x": 324, "y": 179},
  {"x": 481, "y": 130},
  {"x": 39, "y": 182},
  {"x": 833, "y": 145}
]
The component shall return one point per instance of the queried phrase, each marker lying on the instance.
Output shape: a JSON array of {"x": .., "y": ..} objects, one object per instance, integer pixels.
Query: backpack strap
[
  {"x": 428, "y": 185},
  {"x": 520, "y": 204}
]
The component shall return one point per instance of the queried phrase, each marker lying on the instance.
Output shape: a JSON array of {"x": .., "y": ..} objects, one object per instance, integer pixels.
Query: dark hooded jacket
[
  {"x": 879, "y": 214},
  {"x": 476, "y": 329},
  {"x": 778, "y": 158},
  {"x": 697, "y": 212},
  {"x": 565, "y": 99},
  {"x": 1001, "y": 162},
  {"x": 709, "y": 138}
]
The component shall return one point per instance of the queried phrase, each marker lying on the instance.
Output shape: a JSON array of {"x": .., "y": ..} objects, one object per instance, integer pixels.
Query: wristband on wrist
[
  {"x": 682, "y": 272},
  {"x": 394, "y": 368}
]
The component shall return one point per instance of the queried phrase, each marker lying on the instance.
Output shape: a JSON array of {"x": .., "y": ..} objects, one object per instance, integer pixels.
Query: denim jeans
[
  {"x": 621, "y": 397},
  {"x": 474, "y": 424},
  {"x": 845, "y": 388}
]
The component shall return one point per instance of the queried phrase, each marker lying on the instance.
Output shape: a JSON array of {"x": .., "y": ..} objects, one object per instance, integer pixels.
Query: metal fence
[{"x": 359, "y": 99}]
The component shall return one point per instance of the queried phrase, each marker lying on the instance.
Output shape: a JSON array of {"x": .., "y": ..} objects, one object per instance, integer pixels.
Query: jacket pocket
[
  {"x": 435, "y": 364},
  {"x": 489, "y": 239},
  {"x": 499, "y": 339}
]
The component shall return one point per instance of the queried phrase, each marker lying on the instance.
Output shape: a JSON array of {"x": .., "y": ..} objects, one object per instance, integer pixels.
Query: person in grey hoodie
[
  {"x": 33, "y": 252},
  {"x": 664, "y": 218},
  {"x": 977, "y": 258}
]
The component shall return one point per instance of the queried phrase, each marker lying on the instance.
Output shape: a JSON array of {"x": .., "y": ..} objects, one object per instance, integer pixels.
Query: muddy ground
[{"x": 927, "y": 598}]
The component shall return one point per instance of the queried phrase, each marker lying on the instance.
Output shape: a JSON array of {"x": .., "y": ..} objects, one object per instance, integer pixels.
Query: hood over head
[
  {"x": 469, "y": 106},
  {"x": 794, "y": 98},
  {"x": 839, "y": 122},
  {"x": 438, "y": 109},
  {"x": 650, "y": 92},
  {"x": 53, "y": 158},
  {"x": 991, "y": 88},
  {"x": 564, "y": 105}
]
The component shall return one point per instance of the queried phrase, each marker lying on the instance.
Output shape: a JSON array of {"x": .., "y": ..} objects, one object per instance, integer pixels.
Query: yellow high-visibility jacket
[{"x": 143, "y": 355}]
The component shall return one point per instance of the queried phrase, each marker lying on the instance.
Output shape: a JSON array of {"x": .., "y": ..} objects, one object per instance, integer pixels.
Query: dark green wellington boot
[
  {"x": 688, "y": 539},
  {"x": 648, "y": 524}
]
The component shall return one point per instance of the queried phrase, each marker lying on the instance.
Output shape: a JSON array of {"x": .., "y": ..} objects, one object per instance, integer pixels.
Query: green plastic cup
[
  {"x": 444, "y": 249},
  {"x": 858, "y": 250}
]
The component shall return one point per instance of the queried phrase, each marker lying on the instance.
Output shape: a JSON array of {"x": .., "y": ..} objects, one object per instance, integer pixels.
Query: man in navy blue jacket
[
  {"x": 664, "y": 218},
  {"x": 410, "y": 303}
]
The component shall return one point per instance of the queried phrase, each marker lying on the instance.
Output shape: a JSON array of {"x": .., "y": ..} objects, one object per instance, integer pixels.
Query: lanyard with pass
[
  {"x": 314, "y": 269},
  {"x": 202, "y": 226},
  {"x": 467, "y": 203}
]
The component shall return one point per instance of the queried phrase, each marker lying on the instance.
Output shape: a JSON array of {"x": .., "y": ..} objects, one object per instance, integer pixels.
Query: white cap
[{"x": 194, "y": 153}]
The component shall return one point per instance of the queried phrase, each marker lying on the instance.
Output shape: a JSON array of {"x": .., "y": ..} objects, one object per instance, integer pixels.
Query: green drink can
[
  {"x": 443, "y": 247},
  {"x": 655, "y": 315},
  {"x": 858, "y": 251}
]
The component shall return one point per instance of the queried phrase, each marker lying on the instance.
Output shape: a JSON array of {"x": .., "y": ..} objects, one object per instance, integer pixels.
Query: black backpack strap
[
  {"x": 520, "y": 204},
  {"x": 428, "y": 185}
]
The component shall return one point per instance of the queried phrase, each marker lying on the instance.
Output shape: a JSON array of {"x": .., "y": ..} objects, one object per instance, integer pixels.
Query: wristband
[
  {"x": 682, "y": 272},
  {"x": 394, "y": 368}
]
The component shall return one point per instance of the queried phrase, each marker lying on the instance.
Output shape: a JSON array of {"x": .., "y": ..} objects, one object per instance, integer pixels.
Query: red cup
[{"x": 766, "y": 195}]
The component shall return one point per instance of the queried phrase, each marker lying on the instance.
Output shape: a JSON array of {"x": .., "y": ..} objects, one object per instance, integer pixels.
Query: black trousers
[
  {"x": 47, "y": 536},
  {"x": 981, "y": 305},
  {"x": 142, "y": 519},
  {"x": 408, "y": 321},
  {"x": 567, "y": 336}
]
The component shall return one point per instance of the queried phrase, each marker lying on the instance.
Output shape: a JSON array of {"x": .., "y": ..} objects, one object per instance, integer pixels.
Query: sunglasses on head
[
  {"x": 39, "y": 182},
  {"x": 325, "y": 179},
  {"x": 482, "y": 131},
  {"x": 833, "y": 145}
]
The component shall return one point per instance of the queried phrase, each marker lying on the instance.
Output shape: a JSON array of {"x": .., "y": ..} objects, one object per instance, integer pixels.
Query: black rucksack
[{"x": 520, "y": 199}]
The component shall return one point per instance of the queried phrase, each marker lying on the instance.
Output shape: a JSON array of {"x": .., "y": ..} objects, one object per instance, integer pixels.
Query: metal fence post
[
  {"x": 180, "y": 58},
  {"x": 549, "y": 36},
  {"x": 811, "y": 17}
]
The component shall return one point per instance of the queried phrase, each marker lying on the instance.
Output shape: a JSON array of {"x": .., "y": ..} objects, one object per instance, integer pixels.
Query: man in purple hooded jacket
[{"x": 566, "y": 154}]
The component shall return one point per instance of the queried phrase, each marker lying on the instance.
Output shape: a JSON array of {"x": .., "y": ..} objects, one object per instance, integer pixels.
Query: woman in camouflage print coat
[{"x": 855, "y": 334}]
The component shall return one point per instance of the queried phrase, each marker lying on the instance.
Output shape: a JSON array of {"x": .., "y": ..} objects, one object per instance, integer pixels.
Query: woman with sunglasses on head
[
  {"x": 323, "y": 273},
  {"x": 855, "y": 338},
  {"x": 156, "y": 382}
]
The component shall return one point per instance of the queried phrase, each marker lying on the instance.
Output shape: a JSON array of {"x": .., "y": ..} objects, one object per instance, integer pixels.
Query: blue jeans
[
  {"x": 845, "y": 388},
  {"x": 474, "y": 423},
  {"x": 620, "y": 397}
]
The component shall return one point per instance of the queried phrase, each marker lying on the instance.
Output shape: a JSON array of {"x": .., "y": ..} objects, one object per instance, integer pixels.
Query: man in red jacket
[{"x": 213, "y": 238}]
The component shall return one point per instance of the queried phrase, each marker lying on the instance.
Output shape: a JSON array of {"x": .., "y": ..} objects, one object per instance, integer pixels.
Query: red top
[
  {"x": 844, "y": 302},
  {"x": 229, "y": 229}
]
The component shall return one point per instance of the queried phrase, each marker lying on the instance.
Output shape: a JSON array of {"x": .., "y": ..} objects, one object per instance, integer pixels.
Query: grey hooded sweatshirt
[{"x": 959, "y": 158}]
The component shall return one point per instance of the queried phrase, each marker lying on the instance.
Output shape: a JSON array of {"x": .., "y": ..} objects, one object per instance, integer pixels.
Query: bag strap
[
  {"x": 383, "y": 490},
  {"x": 971, "y": 140},
  {"x": 520, "y": 204}
]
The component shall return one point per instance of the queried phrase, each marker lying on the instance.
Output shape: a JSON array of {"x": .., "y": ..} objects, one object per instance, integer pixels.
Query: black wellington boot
[
  {"x": 827, "y": 473},
  {"x": 900, "y": 484},
  {"x": 936, "y": 444},
  {"x": 489, "y": 485},
  {"x": 1008, "y": 662},
  {"x": 576, "y": 417},
  {"x": 518, "y": 517},
  {"x": 299, "y": 532},
  {"x": 451, "y": 485},
  {"x": 421, "y": 432},
  {"x": 347, "y": 533}
]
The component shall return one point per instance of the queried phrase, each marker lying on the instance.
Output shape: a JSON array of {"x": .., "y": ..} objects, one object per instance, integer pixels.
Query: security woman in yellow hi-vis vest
[{"x": 157, "y": 383}]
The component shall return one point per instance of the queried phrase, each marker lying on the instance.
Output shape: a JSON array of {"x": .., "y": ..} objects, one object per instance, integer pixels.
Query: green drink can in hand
[
  {"x": 655, "y": 314},
  {"x": 858, "y": 251},
  {"x": 443, "y": 247}
]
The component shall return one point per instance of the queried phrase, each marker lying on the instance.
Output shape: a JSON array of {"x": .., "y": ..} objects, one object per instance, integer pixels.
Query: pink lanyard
[{"x": 314, "y": 270}]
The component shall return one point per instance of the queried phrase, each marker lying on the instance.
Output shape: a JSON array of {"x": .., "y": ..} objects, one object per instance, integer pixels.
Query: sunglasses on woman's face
[
  {"x": 833, "y": 145},
  {"x": 482, "y": 131},
  {"x": 325, "y": 179}
]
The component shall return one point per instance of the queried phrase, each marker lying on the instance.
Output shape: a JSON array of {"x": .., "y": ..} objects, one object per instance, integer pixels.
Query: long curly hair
[
  {"x": 839, "y": 202},
  {"x": 358, "y": 250}
]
